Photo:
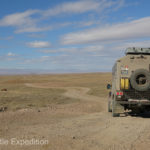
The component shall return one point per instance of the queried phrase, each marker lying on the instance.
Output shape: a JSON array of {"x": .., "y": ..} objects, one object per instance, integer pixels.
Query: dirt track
[{"x": 79, "y": 126}]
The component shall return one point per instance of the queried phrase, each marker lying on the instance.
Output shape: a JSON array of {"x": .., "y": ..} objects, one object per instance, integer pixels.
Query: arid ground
[{"x": 69, "y": 111}]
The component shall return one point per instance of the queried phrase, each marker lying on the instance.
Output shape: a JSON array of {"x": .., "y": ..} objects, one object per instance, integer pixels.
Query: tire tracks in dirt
[
  {"x": 74, "y": 92},
  {"x": 98, "y": 131}
]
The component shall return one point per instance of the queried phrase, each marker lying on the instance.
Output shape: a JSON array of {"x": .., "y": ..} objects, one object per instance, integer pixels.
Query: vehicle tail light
[{"x": 119, "y": 93}]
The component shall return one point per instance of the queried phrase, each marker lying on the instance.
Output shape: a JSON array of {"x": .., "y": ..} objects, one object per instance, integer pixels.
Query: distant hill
[
  {"x": 21, "y": 71},
  {"x": 38, "y": 71}
]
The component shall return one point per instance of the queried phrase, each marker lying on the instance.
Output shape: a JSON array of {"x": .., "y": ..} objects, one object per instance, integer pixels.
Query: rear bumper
[{"x": 135, "y": 102}]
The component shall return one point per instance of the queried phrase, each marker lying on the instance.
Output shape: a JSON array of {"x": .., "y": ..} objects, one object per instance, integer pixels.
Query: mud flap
[{"x": 117, "y": 109}]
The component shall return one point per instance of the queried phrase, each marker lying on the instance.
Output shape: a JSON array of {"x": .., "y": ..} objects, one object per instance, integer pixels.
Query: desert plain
[{"x": 67, "y": 110}]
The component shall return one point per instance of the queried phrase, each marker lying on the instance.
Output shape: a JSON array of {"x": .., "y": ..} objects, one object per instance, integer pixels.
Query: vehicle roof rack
[{"x": 137, "y": 50}]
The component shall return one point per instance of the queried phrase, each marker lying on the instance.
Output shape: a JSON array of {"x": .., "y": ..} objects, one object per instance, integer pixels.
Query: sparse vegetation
[{"x": 20, "y": 96}]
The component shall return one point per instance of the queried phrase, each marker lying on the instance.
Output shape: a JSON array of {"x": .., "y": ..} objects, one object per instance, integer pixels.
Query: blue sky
[{"x": 70, "y": 35}]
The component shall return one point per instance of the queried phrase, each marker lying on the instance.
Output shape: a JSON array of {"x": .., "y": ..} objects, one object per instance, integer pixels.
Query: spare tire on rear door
[{"x": 140, "y": 80}]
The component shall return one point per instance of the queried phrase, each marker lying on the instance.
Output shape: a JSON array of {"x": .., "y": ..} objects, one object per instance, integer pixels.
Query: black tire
[
  {"x": 138, "y": 110},
  {"x": 135, "y": 80}
]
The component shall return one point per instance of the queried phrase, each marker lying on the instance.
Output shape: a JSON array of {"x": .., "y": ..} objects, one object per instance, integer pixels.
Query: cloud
[
  {"x": 18, "y": 19},
  {"x": 86, "y": 23},
  {"x": 83, "y": 6},
  {"x": 95, "y": 57},
  {"x": 79, "y": 50},
  {"x": 29, "y": 20},
  {"x": 10, "y": 54},
  {"x": 73, "y": 7},
  {"x": 39, "y": 44},
  {"x": 123, "y": 45},
  {"x": 44, "y": 58},
  {"x": 9, "y": 57},
  {"x": 122, "y": 31},
  {"x": 24, "y": 21},
  {"x": 32, "y": 29},
  {"x": 111, "y": 51},
  {"x": 37, "y": 60},
  {"x": 59, "y": 50}
]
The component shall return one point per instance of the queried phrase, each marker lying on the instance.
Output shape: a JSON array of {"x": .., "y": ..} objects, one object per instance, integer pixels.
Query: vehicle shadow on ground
[{"x": 143, "y": 115}]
